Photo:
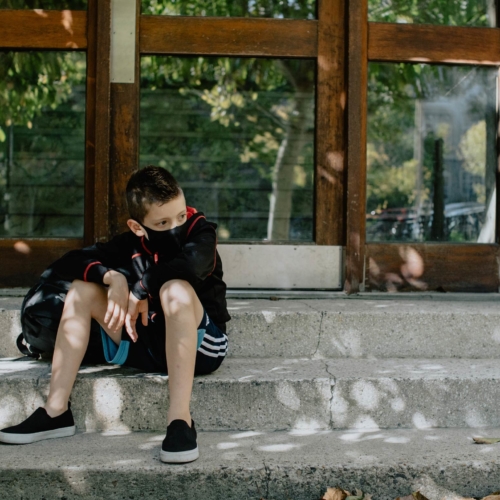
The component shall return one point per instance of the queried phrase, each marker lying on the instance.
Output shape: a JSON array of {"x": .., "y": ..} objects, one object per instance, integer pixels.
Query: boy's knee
[
  {"x": 176, "y": 296},
  {"x": 83, "y": 290}
]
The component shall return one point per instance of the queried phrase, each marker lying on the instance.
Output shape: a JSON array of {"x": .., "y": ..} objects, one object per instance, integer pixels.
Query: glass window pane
[
  {"x": 431, "y": 153},
  {"x": 44, "y": 4},
  {"x": 238, "y": 134},
  {"x": 443, "y": 12},
  {"x": 290, "y": 9},
  {"x": 42, "y": 144}
]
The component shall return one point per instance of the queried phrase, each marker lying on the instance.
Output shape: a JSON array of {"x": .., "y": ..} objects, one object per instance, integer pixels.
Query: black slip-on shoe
[
  {"x": 39, "y": 425},
  {"x": 179, "y": 445}
]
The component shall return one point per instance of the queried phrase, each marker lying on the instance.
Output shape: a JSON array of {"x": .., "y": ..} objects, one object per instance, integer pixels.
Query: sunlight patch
[
  {"x": 227, "y": 446},
  {"x": 278, "y": 447}
]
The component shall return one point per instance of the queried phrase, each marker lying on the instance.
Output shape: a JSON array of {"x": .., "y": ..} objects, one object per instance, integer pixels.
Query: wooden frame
[
  {"x": 419, "y": 267},
  {"x": 433, "y": 44},
  {"x": 97, "y": 122},
  {"x": 113, "y": 111},
  {"x": 398, "y": 266},
  {"x": 124, "y": 140},
  {"x": 229, "y": 36},
  {"x": 331, "y": 101},
  {"x": 23, "y": 261},
  {"x": 356, "y": 145},
  {"x": 56, "y": 30}
]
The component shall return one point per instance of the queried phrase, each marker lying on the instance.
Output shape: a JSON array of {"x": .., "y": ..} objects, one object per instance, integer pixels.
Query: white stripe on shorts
[
  {"x": 214, "y": 347},
  {"x": 213, "y": 339},
  {"x": 211, "y": 354}
]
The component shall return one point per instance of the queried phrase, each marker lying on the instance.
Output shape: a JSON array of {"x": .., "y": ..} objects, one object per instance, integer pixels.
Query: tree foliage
[
  {"x": 443, "y": 12},
  {"x": 33, "y": 81},
  {"x": 298, "y": 9}
]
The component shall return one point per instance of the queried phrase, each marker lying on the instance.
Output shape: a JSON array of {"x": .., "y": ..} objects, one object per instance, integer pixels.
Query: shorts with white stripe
[
  {"x": 148, "y": 353},
  {"x": 212, "y": 346}
]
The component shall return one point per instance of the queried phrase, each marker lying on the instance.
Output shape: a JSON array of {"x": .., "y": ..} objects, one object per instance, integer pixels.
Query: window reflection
[
  {"x": 431, "y": 153},
  {"x": 42, "y": 144},
  {"x": 238, "y": 134},
  {"x": 292, "y": 9},
  {"x": 442, "y": 12}
]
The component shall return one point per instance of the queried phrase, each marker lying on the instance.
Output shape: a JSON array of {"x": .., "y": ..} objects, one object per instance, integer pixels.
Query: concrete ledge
[
  {"x": 273, "y": 466},
  {"x": 391, "y": 326},
  {"x": 252, "y": 394}
]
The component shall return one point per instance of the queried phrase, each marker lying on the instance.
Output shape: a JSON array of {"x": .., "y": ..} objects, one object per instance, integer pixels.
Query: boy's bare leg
[
  {"x": 183, "y": 313},
  {"x": 84, "y": 301}
]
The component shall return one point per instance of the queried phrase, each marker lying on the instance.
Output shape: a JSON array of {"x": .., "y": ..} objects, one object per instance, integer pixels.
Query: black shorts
[{"x": 148, "y": 353}]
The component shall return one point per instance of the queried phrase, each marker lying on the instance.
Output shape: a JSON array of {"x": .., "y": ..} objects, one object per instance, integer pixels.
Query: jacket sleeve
[
  {"x": 193, "y": 264},
  {"x": 91, "y": 263}
]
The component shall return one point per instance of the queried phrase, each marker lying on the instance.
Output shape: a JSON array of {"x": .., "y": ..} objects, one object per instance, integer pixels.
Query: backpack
[{"x": 41, "y": 313}]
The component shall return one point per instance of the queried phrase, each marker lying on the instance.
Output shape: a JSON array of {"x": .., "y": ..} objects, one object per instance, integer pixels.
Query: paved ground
[{"x": 272, "y": 465}]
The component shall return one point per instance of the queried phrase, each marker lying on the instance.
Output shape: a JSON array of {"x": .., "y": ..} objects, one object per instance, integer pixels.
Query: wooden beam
[
  {"x": 124, "y": 141},
  {"x": 330, "y": 124},
  {"x": 90, "y": 122},
  {"x": 24, "y": 260},
  {"x": 427, "y": 266},
  {"x": 433, "y": 44},
  {"x": 43, "y": 29},
  {"x": 99, "y": 129},
  {"x": 356, "y": 145},
  {"x": 228, "y": 36}
]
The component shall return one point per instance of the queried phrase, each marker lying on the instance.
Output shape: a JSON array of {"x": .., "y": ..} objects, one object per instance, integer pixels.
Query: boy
[{"x": 165, "y": 270}]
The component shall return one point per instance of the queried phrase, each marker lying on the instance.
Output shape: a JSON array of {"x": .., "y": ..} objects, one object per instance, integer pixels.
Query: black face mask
[{"x": 168, "y": 240}]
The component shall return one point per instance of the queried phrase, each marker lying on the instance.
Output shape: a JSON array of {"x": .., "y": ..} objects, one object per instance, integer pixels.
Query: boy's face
[{"x": 161, "y": 217}]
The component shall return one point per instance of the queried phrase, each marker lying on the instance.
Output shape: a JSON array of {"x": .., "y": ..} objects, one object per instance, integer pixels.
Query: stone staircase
[{"x": 378, "y": 392}]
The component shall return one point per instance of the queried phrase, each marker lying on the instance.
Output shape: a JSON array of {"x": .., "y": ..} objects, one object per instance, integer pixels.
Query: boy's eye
[
  {"x": 162, "y": 223},
  {"x": 182, "y": 217}
]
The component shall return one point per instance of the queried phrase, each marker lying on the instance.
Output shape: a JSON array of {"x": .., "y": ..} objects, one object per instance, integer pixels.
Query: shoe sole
[
  {"x": 179, "y": 457},
  {"x": 6, "y": 437}
]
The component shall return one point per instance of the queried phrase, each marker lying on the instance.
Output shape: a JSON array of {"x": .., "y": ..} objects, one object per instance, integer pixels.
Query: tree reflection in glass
[
  {"x": 238, "y": 133},
  {"x": 42, "y": 144},
  {"x": 439, "y": 12},
  {"x": 431, "y": 153}
]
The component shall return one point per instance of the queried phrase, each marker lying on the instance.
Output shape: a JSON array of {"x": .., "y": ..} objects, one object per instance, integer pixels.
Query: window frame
[{"x": 343, "y": 42}]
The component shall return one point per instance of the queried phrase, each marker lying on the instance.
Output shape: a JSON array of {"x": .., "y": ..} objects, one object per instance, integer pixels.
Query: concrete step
[
  {"x": 272, "y": 394},
  {"x": 260, "y": 465},
  {"x": 366, "y": 326}
]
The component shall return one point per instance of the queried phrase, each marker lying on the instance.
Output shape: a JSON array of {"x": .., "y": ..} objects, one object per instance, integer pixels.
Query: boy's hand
[
  {"x": 117, "y": 300},
  {"x": 135, "y": 307}
]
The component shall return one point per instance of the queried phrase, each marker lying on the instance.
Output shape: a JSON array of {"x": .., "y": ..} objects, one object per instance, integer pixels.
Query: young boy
[{"x": 165, "y": 270}]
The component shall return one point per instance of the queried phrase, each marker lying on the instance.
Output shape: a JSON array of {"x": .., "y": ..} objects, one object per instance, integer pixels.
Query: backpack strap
[{"x": 24, "y": 347}]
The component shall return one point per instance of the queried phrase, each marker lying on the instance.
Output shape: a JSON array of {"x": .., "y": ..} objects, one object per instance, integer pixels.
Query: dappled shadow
[
  {"x": 422, "y": 395},
  {"x": 249, "y": 465}
]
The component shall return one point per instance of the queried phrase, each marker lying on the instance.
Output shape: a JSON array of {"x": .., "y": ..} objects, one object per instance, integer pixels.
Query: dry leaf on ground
[
  {"x": 486, "y": 440},
  {"x": 493, "y": 496},
  {"x": 335, "y": 494}
]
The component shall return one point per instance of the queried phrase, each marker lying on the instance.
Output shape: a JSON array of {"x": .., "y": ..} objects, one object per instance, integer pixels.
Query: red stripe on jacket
[{"x": 87, "y": 269}]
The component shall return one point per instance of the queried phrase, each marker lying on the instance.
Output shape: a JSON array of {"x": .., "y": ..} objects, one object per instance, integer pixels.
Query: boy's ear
[{"x": 136, "y": 228}]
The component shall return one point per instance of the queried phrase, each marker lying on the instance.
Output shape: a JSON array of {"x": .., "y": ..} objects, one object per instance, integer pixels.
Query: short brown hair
[{"x": 147, "y": 186}]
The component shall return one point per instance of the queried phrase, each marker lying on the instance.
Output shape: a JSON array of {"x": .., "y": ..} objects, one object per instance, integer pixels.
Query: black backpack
[{"x": 41, "y": 313}]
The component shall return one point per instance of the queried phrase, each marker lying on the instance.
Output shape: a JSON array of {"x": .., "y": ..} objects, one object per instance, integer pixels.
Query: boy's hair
[{"x": 147, "y": 186}]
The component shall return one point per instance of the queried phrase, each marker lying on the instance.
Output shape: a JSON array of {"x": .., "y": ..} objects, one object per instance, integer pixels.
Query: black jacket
[{"x": 147, "y": 270}]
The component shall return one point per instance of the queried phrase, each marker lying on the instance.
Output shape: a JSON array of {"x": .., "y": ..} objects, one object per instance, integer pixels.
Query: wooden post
[
  {"x": 124, "y": 140},
  {"x": 356, "y": 145},
  {"x": 330, "y": 124},
  {"x": 97, "y": 122}
]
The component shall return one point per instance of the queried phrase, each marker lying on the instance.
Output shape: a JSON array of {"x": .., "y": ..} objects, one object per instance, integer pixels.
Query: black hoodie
[{"x": 147, "y": 269}]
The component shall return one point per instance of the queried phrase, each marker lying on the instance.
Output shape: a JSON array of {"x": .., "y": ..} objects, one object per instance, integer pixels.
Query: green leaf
[{"x": 2, "y": 135}]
